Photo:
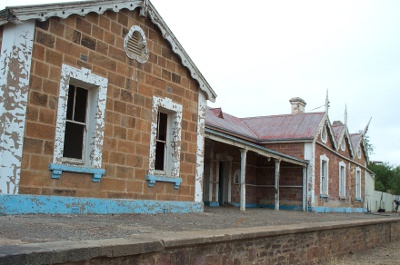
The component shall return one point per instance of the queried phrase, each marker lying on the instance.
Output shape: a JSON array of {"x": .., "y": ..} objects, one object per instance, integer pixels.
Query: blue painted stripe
[
  {"x": 212, "y": 204},
  {"x": 272, "y": 206},
  {"x": 35, "y": 204},
  {"x": 337, "y": 210}
]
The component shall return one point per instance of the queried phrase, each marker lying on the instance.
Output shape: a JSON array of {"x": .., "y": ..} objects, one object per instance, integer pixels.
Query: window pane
[
  {"x": 162, "y": 126},
  {"x": 80, "y": 104},
  {"x": 71, "y": 98},
  {"x": 73, "y": 142},
  {"x": 160, "y": 152}
]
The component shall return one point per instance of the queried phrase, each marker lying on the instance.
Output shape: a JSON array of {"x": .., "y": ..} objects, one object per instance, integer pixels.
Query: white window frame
[
  {"x": 358, "y": 183},
  {"x": 173, "y": 142},
  {"x": 343, "y": 145},
  {"x": 342, "y": 179},
  {"x": 97, "y": 96},
  {"x": 324, "y": 135},
  {"x": 324, "y": 185}
]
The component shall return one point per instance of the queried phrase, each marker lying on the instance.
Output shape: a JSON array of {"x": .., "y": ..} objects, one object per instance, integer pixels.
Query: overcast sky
[{"x": 257, "y": 54}]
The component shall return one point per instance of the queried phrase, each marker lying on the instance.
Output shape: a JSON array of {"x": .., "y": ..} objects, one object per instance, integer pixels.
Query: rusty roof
[
  {"x": 228, "y": 123},
  {"x": 301, "y": 126}
]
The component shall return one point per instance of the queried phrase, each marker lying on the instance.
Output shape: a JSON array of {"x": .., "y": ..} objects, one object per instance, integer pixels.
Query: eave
[
  {"x": 19, "y": 14},
  {"x": 240, "y": 143}
]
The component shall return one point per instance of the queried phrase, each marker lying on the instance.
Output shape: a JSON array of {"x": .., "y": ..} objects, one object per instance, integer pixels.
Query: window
[
  {"x": 161, "y": 141},
  {"x": 75, "y": 127},
  {"x": 80, "y": 120},
  {"x": 343, "y": 145},
  {"x": 135, "y": 45},
  {"x": 324, "y": 162},
  {"x": 358, "y": 183},
  {"x": 165, "y": 138},
  {"x": 342, "y": 179},
  {"x": 324, "y": 135}
]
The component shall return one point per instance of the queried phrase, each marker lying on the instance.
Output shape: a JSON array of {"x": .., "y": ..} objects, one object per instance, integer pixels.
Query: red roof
[
  {"x": 216, "y": 118},
  {"x": 268, "y": 128},
  {"x": 338, "y": 129},
  {"x": 356, "y": 139},
  {"x": 285, "y": 127}
]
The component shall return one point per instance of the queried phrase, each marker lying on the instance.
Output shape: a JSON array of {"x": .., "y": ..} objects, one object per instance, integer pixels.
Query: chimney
[{"x": 298, "y": 105}]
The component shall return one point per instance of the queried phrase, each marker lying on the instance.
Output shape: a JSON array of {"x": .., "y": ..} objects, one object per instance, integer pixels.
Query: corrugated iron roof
[
  {"x": 216, "y": 118},
  {"x": 285, "y": 127},
  {"x": 267, "y": 128}
]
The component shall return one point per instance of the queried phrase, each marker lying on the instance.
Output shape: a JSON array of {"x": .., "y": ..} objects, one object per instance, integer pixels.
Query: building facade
[
  {"x": 333, "y": 180},
  {"x": 102, "y": 111}
]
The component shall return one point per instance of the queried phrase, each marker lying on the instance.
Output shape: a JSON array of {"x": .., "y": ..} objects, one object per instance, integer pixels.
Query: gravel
[{"x": 20, "y": 229}]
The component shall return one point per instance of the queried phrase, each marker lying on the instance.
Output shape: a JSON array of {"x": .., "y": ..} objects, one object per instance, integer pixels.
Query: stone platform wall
[{"x": 297, "y": 244}]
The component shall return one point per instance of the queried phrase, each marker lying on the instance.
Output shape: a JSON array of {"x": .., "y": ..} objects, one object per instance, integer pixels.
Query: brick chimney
[{"x": 298, "y": 105}]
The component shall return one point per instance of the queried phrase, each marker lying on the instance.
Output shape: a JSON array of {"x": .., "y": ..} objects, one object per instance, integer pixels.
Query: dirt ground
[
  {"x": 21, "y": 229},
  {"x": 388, "y": 254}
]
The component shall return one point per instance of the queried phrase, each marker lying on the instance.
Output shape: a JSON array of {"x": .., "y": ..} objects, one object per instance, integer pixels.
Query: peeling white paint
[
  {"x": 97, "y": 86},
  {"x": 201, "y": 123},
  {"x": 309, "y": 154},
  {"x": 15, "y": 63},
  {"x": 64, "y": 10},
  {"x": 173, "y": 152}
]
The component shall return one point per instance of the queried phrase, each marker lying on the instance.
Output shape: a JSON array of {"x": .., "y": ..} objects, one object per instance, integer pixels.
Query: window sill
[
  {"x": 359, "y": 199},
  {"x": 322, "y": 196},
  {"x": 343, "y": 198},
  {"x": 57, "y": 169},
  {"x": 152, "y": 179}
]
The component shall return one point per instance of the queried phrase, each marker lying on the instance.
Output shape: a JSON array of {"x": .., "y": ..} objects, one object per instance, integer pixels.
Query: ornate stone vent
[{"x": 135, "y": 45}]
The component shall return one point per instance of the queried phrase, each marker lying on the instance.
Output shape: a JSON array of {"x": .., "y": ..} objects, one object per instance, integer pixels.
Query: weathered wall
[
  {"x": 333, "y": 176},
  {"x": 260, "y": 172},
  {"x": 299, "y": 244},
  {"x": 291, "y": 149},
  {"x": 95, "y": 42}
]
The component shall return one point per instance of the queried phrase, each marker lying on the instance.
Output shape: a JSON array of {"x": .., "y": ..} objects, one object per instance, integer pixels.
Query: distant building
[{"x": 333, "y": 179}]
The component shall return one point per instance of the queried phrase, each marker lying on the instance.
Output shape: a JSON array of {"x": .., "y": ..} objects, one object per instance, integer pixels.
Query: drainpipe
[
  {"x": 243, "y": 153},
  {"x": 277, "y": 169}
]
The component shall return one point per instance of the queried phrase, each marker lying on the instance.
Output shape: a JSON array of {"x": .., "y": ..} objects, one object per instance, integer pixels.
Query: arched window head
[
  {"x": 135, "y": 45},
  {"x": 324, "y": 135}
]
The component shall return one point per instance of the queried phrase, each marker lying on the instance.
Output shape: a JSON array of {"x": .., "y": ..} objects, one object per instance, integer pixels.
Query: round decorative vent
[{"x": 135, "y": 45}]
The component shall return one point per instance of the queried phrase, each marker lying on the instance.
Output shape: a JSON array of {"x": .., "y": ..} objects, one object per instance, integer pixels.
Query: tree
[
  {"x": 370, "y": 147},
  {"x": 387, "y": 178}
]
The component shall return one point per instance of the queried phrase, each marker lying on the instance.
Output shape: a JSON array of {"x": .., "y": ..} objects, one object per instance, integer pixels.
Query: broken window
[
  {"x": 165, "y": 143},
  {"x": 161, "y": 140},
  {"x": 80, "y": 118},
  {"x": 75, "y": 127}
]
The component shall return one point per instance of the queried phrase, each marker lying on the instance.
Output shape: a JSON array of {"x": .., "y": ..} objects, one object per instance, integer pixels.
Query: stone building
[
  {"x": 332, "y": 180},
  {"x": 102, "y": 111}
]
